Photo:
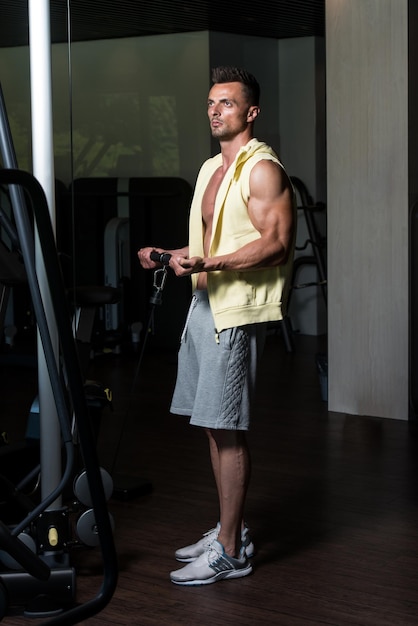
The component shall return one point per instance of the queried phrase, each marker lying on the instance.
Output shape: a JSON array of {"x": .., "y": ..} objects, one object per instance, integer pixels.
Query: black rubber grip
[{"x": 163, "y": 258}]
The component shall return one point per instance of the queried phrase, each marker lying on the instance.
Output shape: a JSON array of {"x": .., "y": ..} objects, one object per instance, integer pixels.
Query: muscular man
[{"x": 239, "y": 257}]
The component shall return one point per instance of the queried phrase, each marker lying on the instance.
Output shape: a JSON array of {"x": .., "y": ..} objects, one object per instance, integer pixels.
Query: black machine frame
[{"x": 40, "y": 570}]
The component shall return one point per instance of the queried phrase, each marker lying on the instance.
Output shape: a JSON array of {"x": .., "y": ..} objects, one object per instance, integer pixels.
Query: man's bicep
[{"x": 270, "y": 204}]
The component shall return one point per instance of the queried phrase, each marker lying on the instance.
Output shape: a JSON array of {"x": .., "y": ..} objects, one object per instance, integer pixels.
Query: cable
[{"x": 155, "y": 299}]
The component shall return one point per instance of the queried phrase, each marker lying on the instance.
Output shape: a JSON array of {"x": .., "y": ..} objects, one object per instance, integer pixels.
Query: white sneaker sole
[{"x": 237, "y": 573}]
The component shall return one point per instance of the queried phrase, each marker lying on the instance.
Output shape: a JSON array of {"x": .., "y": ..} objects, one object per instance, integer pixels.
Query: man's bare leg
[{"x": 231, "y": 465}]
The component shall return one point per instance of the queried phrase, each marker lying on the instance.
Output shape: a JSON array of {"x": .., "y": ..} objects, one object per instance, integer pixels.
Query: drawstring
[{"x": 189, "y": 314}]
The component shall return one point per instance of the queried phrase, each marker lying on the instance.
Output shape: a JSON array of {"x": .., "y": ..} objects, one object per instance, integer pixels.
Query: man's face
[{"x": 228, "y": 110}]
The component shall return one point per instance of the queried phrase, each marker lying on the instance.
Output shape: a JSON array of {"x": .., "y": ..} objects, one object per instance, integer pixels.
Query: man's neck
[{"x": 230, "y": 149}]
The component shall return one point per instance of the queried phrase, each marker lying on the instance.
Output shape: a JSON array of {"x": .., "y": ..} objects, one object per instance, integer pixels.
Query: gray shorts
[{"x": 216, "y": 373}]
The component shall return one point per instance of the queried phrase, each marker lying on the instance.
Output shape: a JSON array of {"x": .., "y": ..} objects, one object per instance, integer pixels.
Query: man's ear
[{"x": 253, "y": 113}]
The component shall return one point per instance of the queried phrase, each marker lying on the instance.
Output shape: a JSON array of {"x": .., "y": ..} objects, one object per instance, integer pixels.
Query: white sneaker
[
  {"x": 211, "y": 566},
  {"x": 190, "y": 553}
]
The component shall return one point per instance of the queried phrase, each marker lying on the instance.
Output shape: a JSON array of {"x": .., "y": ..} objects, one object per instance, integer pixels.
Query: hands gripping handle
[{"x": 158, "y": 257}]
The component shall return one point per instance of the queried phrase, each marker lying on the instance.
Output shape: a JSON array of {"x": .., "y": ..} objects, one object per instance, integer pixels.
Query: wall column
[{"x": 368, "y": 206}]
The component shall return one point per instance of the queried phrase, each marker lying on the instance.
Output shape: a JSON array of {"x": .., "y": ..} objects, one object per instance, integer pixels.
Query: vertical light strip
[
  {"x": 41, "y": 98},
  {"x": 43, "y": 170}
]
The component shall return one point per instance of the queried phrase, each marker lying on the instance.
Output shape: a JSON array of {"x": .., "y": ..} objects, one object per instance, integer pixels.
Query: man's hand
[
  {"x": 178, "y": 261},
  {"x": 183, "y": 266},
  {"x": 144, "y": 256}
]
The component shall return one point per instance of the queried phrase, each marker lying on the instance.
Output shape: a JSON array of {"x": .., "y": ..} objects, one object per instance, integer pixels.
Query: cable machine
[
  {"x": 39, "y": 543},
  {"x": 44, "y": 581}
]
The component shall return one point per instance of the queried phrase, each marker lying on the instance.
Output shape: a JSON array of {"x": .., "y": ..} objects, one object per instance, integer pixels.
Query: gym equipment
[
  {"x": 54, "y": 578},
  {"x": 316, "y": 241},
  {"x": 14, "y": 297},
  {"x": 127, "y": 487},
  {"x": 116, "y": 266},
  {"x": 44, "y": 582},
  {"x": 113, "y": 219},
  {"x": 12, "y": 273},
  {"x": 315, "y": 259}
]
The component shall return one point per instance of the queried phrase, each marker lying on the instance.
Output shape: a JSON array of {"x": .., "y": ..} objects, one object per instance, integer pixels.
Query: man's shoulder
[
  {"x": 256, "y": 151},
  {"x": 262, "y": 160},
  {"x": 212, "y": 162}
]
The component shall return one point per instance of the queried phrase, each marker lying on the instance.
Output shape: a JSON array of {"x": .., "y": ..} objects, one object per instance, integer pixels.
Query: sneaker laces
[{"x": 213, "y": 554}]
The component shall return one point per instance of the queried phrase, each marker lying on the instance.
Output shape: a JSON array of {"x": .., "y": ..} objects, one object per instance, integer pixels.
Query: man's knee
[{"x": 227, "y": 438}]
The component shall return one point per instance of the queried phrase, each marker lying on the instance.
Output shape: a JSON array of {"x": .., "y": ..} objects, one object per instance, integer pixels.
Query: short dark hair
[{"x": 238, "y": 75}]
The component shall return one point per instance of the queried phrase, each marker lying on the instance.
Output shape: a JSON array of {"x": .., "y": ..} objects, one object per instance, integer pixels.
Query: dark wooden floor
[{"x": 333, "y": 504}]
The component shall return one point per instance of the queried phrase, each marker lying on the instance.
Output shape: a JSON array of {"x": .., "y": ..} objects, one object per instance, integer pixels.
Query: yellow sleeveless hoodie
[{"x": 246, "y": 297}]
